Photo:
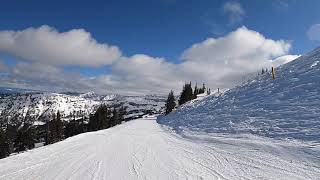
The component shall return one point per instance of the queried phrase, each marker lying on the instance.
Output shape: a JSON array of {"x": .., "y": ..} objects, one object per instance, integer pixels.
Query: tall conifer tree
[{"x": 170, "y": 103}]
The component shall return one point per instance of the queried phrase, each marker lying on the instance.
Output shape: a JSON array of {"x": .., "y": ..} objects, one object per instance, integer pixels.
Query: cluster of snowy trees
[
  {"x": 15, "y": 138},
  {"x": 106, "y": 117},
  {"x": 22, "y": 136},
  {"x": 187, "y": 94}
]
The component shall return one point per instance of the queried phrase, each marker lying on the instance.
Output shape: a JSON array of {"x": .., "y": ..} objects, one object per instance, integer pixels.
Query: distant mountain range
[
  {"x": 8, "y": 90},
  {"x": 38, "y": 107}
]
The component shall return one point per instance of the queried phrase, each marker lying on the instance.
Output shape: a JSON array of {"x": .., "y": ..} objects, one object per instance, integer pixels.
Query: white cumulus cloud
[
  {"x": 222, "y": 61},
  {"x": 219, "y": 62},
  {"x": 46, "y": 45}
]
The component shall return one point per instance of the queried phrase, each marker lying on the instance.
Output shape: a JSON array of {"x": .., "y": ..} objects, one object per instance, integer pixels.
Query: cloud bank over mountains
[{"x": 44, "y": 54}]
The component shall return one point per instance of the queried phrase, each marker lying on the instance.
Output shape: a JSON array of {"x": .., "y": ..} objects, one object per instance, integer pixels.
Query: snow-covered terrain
[
  {"x": 39, "y": 106},
  {"x": 143, "y": 149},
  {"x": 287, "y": 107},
  {"x": 264, "y": 129}
]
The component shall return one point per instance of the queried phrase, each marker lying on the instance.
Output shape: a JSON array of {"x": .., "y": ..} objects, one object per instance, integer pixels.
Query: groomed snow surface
[{"x": 144, "y": 149}]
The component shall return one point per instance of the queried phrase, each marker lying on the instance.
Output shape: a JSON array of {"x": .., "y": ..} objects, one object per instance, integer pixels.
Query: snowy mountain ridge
[
  {"x": 287, "y": 107},
  {"x": 42, "y": 105}
]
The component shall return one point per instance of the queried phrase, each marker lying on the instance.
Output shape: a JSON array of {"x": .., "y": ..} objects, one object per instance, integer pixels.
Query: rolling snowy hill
[
  {"x": 38, "y": 106},
  {"x": 285, "y": 108}
]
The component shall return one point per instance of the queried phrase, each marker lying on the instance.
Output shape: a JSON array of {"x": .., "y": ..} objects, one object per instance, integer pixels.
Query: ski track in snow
[{"x": 143, "y": 149}]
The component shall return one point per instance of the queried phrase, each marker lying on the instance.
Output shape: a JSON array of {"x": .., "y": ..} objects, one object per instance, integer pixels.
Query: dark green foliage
[
  {"x": 4, "y": 144},
  {"x": 186, "y": 94},
  {"x": 122, "y": 112},
  {"x": 59, "y": 127},
  {"x": 100, "y": 119},
  {"x": 195, "y": 92},
  {"x": 11, "y": 135},
  {"x": 55, "y": 129},
  {"x": 115, "y": 119},
  {"x": 75, "y": 127},
  {"x": 208, "y": 91},
  {"x": 25, "y": 138},
  {"x": 203, "y": 89},
  {"x": 170, "y": 103},
  {"x": 16, "y": 137},
  {"x": 106, "y": 117}
]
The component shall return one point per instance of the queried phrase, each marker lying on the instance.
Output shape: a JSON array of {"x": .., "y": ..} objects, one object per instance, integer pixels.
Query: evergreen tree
[
  {"x": 195, "y": 92},
  {"x": 74, "y": 127},
  {"x": 25, "y": 138},
  {"x": 93, "y": 124},
  {"x": 189, "y": 91},
  {"x": 208, "y": 91},
  {"x": 203, "y": 89},
  {"x": 186, "y": 94},
  {"x": 115, "y": 117},
  {"x": 170, "y": 103},
  {"x": 122, "y": 113},
  {"x": 70, "y": 129},
  {"x": 4, "y": 145},
  {"x": 11, "y": 135},
  {"x": 183, "y": 98},
  {"x": 101, "y": 119},
  {"x": 55, "y": 129},
  {"x": 59, "y": 127}
]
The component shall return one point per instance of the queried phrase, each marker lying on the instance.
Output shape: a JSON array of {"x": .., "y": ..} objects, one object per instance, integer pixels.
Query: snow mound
[{"x": 287, "y": 107}]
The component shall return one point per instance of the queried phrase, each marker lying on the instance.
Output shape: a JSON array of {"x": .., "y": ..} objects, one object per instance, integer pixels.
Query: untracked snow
[
  {"x": 143, "y": 149},
  {"x": 287, "y": 107}
]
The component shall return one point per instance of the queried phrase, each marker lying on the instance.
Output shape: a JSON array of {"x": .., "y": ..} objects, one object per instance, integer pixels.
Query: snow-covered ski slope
[
  {"x": 143, "y": 149},
  {"x": 285, "y": 108}
]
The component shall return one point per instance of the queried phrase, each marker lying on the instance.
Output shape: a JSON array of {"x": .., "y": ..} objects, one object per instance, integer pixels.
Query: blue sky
[{"x": 157, "y": 28}]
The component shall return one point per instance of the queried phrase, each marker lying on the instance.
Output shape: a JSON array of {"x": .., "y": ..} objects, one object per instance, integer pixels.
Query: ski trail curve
[{"x": 143, "y": 149}]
